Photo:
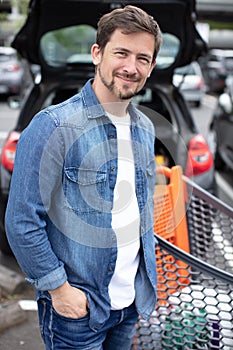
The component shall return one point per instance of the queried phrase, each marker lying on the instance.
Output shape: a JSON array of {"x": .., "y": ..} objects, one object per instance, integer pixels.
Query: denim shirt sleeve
[
  {"x": 26, "y": 216},
  {"x": 51, "y": 281}
]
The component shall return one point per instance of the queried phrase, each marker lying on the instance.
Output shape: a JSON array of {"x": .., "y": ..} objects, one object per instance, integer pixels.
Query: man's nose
[{"x": 131, "y": 64}]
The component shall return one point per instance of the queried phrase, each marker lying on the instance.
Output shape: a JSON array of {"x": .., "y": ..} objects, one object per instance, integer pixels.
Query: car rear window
[
  {"x": 72, "y": 45},
  {"x": 68, "y": 45},
  {"x": 6, "y": 57}
]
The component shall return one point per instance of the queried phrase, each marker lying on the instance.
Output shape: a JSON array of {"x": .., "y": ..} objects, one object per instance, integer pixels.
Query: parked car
[
  {"x": 219, "y": 64},
  {"x": 189, "y": 79},
  {"x": 221, "y": 129},
  {"x": 11, "y": 71},
  {"x": 61, "y": 46}
]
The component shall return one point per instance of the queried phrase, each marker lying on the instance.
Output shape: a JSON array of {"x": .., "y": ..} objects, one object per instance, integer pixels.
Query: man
[{"x": 80, "y": 211}]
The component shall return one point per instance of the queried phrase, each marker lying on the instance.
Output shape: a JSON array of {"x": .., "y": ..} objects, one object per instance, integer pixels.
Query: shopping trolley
[{"x": 194, "y": 267}]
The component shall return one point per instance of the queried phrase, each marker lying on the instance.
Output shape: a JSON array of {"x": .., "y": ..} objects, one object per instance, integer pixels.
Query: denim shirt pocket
[{"x": 84, "y": 189}]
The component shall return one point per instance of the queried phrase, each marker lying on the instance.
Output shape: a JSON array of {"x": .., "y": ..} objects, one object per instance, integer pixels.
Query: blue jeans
[{"x": 62, "y": 333}]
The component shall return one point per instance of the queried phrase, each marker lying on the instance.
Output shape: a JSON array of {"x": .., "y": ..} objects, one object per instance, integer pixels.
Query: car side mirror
[{"x": 225, "y": 103}]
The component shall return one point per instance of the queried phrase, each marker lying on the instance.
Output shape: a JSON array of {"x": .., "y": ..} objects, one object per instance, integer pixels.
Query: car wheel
[{"x": 213, "y": 145}]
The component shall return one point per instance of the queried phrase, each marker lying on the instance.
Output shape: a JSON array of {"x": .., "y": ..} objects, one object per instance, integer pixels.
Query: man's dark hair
[{"x": 129, "y": 19}]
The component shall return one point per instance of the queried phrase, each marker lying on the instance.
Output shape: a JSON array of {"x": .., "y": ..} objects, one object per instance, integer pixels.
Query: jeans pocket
[
  {"x": 57, "y": 314},
  {"x": 42, "y": 305}
]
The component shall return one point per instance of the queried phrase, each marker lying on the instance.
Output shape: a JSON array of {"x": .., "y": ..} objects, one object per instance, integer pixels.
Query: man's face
[{"x": 124, "y": 65}]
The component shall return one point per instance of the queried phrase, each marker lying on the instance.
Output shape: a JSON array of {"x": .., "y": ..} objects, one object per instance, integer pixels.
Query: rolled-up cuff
[{"x": 51, "y": 281}]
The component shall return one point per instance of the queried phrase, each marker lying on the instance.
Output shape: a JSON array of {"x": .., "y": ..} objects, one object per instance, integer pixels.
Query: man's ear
[
  {"x": 153, "y": 64},
  {"x": 96, "y": 54}
]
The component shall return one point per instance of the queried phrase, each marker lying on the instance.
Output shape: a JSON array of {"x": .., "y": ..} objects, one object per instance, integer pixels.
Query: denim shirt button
[
  {"x": 113, "y": 168},
  {"x": 111, "y": 136}
]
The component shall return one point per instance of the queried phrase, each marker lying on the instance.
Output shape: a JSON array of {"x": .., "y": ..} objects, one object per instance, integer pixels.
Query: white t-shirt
[{"x": 125, "y": 220}]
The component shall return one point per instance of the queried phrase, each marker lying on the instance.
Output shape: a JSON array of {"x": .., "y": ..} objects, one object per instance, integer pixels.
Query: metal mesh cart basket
[{"x": 194, "y": 269}]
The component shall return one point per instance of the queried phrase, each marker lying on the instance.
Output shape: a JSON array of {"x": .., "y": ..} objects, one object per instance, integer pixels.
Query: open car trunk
[{"x": 58, "y": 34}]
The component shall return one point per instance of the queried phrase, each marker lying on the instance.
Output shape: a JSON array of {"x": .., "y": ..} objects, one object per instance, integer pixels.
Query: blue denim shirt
[{"x": 58, "y": 217}]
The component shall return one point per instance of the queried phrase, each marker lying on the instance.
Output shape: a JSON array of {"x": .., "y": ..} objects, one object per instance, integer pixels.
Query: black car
[
  {"x": 221, "y": 129},
  {"x": 62, "y": 38}
]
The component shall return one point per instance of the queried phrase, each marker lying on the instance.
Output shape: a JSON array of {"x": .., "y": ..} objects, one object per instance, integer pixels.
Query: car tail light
[
  {"x": 13, "y": 68},
  {"x": 200, "y": 158},
  {"x": 9, "y": 149},
  {"x": 200, "y": 84}
]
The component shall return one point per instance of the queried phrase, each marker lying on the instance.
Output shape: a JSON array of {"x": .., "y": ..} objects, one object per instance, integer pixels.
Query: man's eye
[
  {"x": 121, "y": 53},
  {"x": 144, "y": 60}
]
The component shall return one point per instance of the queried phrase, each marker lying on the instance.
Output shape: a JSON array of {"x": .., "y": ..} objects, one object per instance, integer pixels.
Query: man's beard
[{"x": 112, "y": 88}]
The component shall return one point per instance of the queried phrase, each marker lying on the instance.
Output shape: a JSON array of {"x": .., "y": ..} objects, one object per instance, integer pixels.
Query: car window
[
  {"x": 186, "y": 70},
  {"x": 72, "y": 45},
  {"x": 68, "y": 45},
  {"x": 168, "y": 51},
  {"x": 229, "y": 64},
  {"x": 6, "y": 57}
]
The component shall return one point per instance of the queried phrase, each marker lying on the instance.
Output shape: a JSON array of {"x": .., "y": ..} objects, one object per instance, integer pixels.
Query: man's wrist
[{"x": 59, "y": 289}]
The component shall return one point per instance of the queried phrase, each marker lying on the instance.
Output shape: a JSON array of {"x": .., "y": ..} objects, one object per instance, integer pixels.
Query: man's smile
[{"x": 127, "y": 77}]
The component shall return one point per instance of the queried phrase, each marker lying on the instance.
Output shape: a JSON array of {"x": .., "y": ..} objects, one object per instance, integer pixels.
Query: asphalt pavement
[{"x": 24, "y": 335}]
